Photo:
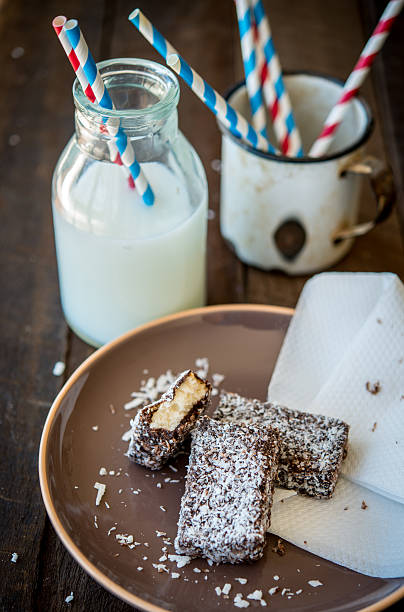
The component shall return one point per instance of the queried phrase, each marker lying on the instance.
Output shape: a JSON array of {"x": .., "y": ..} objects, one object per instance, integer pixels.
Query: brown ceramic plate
[{"x": 242, "y": 342}]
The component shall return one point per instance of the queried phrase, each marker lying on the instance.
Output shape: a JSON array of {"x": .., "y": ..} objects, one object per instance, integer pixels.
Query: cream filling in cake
[{"x": 170, "y": 414}]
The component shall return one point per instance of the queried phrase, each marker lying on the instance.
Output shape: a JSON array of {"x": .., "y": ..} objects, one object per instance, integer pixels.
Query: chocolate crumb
[
  {"x": 364, "y": 505},
  {"x": 374, "y": 426},
  {"x": 304, "y": 541},
  {"x": 373, "y": 388},
  {"x": 279, "y": 548},
  {"x": 379, "y": 321},
  {"x": 346, "y": 508}
]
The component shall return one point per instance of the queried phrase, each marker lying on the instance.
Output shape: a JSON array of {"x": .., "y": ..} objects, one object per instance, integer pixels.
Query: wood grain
[{"x": 36, "y": 105}]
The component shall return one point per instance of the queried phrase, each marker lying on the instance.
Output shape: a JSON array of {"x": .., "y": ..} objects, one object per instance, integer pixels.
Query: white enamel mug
[{"x": 300, "y": 215}]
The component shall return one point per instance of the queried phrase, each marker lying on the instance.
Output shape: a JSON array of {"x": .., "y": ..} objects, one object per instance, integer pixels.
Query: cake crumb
[
  {"x": 69, "y": 598},
  {"x": 374, "y": 426},
  {"x": 279, "y": 548},
  {"x": 364, "y": 505},
  {"x": 315, "y": 583},
  {"x": 14, "y": 557},
  {"x": 373, "y": 388}
]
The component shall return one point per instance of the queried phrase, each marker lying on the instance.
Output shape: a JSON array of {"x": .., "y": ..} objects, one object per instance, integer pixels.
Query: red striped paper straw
[
  {"x": 356, "y": 78},
  {"x": 58, "y": 25}
]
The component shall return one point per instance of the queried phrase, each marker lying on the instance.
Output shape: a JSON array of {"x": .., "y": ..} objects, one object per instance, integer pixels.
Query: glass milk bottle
[{"x": 122, "y": 263}]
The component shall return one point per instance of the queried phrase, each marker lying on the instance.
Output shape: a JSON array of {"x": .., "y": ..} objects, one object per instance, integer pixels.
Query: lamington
[
  {"x": 311, "y": 446},
  {"x": 226, "y": 507},
  {"x": 159, "y": 429}
]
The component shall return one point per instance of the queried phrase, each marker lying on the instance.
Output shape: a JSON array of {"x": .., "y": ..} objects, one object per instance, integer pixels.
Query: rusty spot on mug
[{"x": 290, "y": 238}]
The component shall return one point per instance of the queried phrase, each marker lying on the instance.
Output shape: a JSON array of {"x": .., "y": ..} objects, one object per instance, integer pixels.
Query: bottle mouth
[{"x": 141, "y": 91}]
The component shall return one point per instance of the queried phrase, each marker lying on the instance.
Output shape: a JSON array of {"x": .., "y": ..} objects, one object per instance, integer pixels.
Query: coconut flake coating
[
  {"x": 311, "y": 447},
  {"x": 153, "y": 446},
  {"x": 226, "y": 507}
]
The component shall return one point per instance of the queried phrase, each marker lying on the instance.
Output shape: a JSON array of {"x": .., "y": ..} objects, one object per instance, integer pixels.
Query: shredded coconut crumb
[
  {"x": 218, "y": 591},
  {"x": 174, "y": 469},
  {"x": 175, "y": 575},
  {"x": 160, "y": 534},
  {"x": 163, "y": 509},
  {"x": 256, "y": 595},
  {"x": 69, "y": 598},
  {"x": 239, "y": 602},
  {"x": 299, "y": 591},
  {"x": 226, "y": 589},
  {"x": 140, "y": 568},
  {"x": 158, "y": 485},
  {"x": 181, "y": 560},
  {"x": 163, "y": 558},
  {"x": 196, "y": 570},
  {"x": 276, "y": 577},
  {"x": 160, "y": 567},
  {"x": 124, "y": 539},
  {"x": 103, "y": 471},
  {"x": 241, "y": 580},
  {"x": 273, "y": 590},
  {"x": 100, "y": 492},
  {"x": 14, "y": 557},
  {"x": 94, "y": 427},
  {"x": 58, "y": 368},
  {"x": 315, "y": 583},
  {"x": 111, "y": 530},
  {"x": 127, "y": 435}
]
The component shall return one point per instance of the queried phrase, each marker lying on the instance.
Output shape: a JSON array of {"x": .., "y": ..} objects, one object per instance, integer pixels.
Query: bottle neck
[
  {"x": 144, "y": 95},
  {"x": 150, "y": 141}
]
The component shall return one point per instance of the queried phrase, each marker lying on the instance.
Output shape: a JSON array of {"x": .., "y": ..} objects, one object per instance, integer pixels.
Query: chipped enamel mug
[{"x": 301, "y": 215}]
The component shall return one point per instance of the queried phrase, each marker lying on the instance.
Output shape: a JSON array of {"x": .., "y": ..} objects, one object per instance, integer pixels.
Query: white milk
[{"x": 122, "y": 263}]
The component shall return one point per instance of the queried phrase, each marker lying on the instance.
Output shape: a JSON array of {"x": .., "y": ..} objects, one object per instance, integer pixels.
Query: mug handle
[{"x": 382, "y": 183}]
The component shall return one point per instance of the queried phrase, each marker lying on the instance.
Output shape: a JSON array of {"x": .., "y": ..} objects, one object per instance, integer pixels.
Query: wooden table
[{"x": 36, "y": 120}]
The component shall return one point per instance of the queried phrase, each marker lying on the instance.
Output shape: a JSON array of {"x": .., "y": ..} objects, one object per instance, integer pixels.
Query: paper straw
[
  {"x": 90, "y": 79},
  {"x": 252, "y": 77},
  {"x": 230, "y": 118},
  {"x": 58, "y": 24},
  {"x": 356, "y": 78},
  {"x": 275, "y": 93}
]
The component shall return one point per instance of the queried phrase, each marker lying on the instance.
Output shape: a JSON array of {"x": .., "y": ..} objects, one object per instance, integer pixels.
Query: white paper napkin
[
  {"x": 346, "y": 340},
  {"x": 370, "y": 540}
]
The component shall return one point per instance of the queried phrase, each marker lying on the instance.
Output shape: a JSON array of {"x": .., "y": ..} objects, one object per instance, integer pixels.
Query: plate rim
[{"x": 89, "y": 567}]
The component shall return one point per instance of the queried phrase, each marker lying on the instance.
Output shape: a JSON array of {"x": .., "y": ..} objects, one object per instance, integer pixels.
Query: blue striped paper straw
[
  {"x": 252, "y": 77},
  {"x": 274, "y": 88},
  {"x": 226, "y": 114},
  {"x": 103, "y": 98}
]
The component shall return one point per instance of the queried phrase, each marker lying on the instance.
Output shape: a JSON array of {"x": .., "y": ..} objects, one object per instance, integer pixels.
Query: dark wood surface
[{"x": 36, "y": 120}]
